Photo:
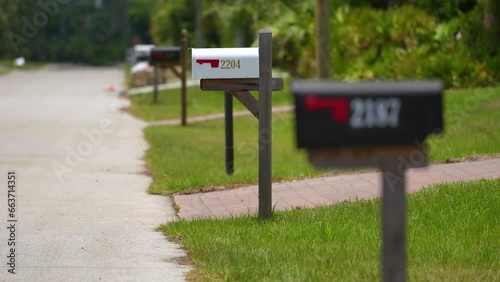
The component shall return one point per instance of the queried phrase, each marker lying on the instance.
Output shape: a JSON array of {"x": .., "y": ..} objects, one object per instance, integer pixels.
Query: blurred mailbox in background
[
  {"x": 216, "y": 63},
  {"x": 165, "y": 55},
  {"x": 338, "y": 114},
  {"x": 141, "y": 53}
]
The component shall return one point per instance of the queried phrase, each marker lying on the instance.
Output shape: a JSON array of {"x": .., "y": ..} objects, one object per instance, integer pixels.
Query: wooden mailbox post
[
  {"x": 238, "y": 71},
  {"x": 378, "y": 124},
  {"x": 169, "y": 58}
]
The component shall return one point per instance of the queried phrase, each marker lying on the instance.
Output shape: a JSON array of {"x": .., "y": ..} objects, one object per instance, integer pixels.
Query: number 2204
[{"x": 230, "y": 64}]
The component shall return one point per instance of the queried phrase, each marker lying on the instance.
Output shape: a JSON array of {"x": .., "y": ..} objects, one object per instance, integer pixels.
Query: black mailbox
[
  {"x": 339, "y": 114},
  {"x": 165, "y": 55}
]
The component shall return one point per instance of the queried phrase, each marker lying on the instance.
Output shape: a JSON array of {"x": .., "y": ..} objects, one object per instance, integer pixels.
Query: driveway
[{"x": 81, "y": 205}]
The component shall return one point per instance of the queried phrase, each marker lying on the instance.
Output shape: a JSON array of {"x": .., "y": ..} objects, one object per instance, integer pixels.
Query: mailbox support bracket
[
  {"x": 393, "y": 222},
  {"x": 237, "y": 84},
  {"x": 228, "y": 124},
  {"x": 393, "y": 162},
  {"x": 248, "y": 100},
  {"x": 175, "y": 71},
  {"x": 368, "y": 156},
  {"x": 181, "y": 75},
  {"x": 265, "y": 124},
  {"x": 155, "y": 83},
  {"x": 240, "y": 88}
]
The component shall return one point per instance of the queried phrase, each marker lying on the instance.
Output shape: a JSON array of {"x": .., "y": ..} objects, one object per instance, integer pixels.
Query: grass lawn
[
  {"x": 198, "y": 103},
  {"x": 193, "y": 157},
  {"x": 471, "y": 124},
  {"x": 453, "y": 235}
]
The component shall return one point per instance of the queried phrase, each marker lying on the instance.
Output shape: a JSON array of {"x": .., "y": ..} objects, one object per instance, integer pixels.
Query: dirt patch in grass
[{"x": 473, "y": 158}]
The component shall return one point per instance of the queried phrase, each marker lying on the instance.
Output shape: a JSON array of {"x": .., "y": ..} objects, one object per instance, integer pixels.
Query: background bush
[
  {"x": 408, "y": 43},
  {"x": 456, "y": 40},
  {"x": 78, "y": 32},
  {"x": 380, "y": 39}
]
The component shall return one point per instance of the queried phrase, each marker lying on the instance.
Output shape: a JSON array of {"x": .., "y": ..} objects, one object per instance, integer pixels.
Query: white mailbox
[{"x": 225, "y": 63}]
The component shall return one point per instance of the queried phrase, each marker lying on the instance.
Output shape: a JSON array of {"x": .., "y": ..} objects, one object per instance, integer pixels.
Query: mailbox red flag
[
  {"x": 214, "y": 63},
  {"x": 338, "y": 107}
]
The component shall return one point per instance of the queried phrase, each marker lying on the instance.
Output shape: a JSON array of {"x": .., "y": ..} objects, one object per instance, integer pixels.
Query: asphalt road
[{"x": 81, "y": 205}]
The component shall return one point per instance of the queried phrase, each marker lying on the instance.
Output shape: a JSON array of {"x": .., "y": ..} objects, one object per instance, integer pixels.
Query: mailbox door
[
  {"x": 333, "y": 114},
  {"x": 217, "y": 63},
  {"x": 165, "y": 55}
]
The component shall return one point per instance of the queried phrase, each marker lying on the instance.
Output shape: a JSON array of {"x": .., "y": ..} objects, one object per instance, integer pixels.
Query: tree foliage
[
  {"x": 77, "y": 31},
  {"x": 8, "y": 22},
  {"x": 404, "y": 39},
  {"x": 139, "y": 13},
  {"x": 492, "y": 19},
  {"x": 456, "y": 40},
  {"x": 170, "y": 18}
]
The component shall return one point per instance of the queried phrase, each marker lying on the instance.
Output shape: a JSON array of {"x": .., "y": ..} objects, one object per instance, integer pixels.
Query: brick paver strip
[{"x": 326, "y": 190}]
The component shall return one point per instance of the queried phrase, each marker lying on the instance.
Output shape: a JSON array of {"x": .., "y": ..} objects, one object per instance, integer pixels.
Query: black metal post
[
  {"x": 155, "y": 84},
  {"x": 393, "y": 223},
  {"x": 183, "y": 78},
  {"x": 228, "y": 107},
  {"x": 265, "y": 124}
]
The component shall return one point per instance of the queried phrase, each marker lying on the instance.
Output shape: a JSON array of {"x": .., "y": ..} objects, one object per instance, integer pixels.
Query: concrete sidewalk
[
  {"x": 326, "y": 190},
  {"x": 82, "y": 208}
]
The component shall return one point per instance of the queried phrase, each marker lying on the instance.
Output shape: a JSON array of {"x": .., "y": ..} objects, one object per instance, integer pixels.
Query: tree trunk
[
  {"x": 491, "y": 19},
  {"x": 239, "y": 37},
  {"x": 198, "y": 25},
  {"x": 322, "y": 15}
]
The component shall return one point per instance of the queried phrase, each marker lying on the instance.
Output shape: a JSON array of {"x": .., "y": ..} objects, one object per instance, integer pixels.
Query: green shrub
[{"x": 403, "y": 42}]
